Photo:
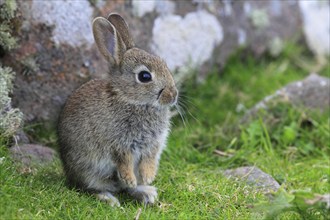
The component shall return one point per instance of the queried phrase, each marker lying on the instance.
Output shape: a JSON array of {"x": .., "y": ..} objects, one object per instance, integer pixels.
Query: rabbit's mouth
[{"x": 159, "y": 93}]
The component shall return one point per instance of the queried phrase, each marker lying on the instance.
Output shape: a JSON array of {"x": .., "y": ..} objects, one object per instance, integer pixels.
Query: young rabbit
[{"x": 112, "y": 132}]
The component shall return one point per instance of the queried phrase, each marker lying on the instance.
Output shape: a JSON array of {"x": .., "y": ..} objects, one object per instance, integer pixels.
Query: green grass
[{"x": 294, "y": 149}]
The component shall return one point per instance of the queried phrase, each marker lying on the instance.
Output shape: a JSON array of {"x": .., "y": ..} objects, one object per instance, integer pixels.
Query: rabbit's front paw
[
  {"x": 128, "y": 178},
  {"x": 147, "y": 172}
]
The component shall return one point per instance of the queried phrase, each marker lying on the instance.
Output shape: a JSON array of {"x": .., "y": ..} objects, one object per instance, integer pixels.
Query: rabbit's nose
[
  {"x": 175, "y": 96},
  {"x": 168, "y": 96}
]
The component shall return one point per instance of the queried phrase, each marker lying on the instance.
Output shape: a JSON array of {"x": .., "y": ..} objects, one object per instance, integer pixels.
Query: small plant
[
  {"x": 303, "y": 203},
  {"x": 30, "y": 66}
]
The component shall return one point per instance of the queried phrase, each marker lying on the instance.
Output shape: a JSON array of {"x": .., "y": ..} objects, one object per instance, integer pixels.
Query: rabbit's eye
[{"x": 144, "y": 76}]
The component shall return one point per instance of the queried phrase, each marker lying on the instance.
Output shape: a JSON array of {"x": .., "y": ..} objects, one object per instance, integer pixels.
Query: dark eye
[{"x": 144, "y": 76}]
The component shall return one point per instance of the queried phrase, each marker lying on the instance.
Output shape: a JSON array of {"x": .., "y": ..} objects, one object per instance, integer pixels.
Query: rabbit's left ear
[{"x": 122, "y": 28}]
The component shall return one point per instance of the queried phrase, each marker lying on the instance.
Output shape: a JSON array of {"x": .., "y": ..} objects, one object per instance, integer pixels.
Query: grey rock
[
  {"x": 255, "y": 177},
  {"x": 317, "y": 36},
  {"x": 30, "y": 154},
  {"x": 312, "y": 93}
]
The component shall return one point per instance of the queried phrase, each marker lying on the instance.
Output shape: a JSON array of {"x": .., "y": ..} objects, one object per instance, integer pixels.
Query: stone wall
[{"x": 57, "y": 51}]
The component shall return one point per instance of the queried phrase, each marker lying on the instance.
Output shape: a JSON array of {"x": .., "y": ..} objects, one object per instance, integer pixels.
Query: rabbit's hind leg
[
  {"x": 108, "y": 198},
  {"x": 144, "y": 194},
  {"x": 103, "y": 188}
]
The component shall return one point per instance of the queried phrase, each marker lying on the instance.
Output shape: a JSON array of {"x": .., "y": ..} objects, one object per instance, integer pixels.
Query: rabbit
[{"x": 112, "y": 132}]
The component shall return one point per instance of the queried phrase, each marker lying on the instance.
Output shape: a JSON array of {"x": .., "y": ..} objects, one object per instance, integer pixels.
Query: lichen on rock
[
  {"x": 71, "y": 20},
  {"x": 140, "y": 8},
  {"x": 10, "y": 118},
  {"x": 316, "y": 25},
  {"x": 259, "y": 18},
  {"x": 188, "y": 40},
  {"x": 7, "y": 12}
]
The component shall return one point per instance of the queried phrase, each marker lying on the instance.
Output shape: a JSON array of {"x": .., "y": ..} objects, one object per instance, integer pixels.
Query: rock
[
  {"x": 255, "y": 177},
  {"x": 316, "y": 25},
  {"x": 29, "y": 154},
  {"x": 56, "y": 53},
  {"x": 184, "y": 46},
  {"x": 140, "y": 8},
  {"x": 312, "y": 93},
  {"x": 54, "y": 56},
  {"x": 71, "y": 20}
]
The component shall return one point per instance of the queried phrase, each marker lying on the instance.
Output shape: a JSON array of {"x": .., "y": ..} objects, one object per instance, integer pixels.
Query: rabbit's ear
[
  {"x": 108, "y": 40},
  {"x": 120, "y": 24}
]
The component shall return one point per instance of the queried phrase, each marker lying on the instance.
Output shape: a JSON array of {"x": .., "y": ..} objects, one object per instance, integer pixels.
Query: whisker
[
  {"x": 193, "y": 116},
  {"x": 181, "y": 115},
  {"x": 186, "y": 99},
  {"x": 182, "y": 107}
]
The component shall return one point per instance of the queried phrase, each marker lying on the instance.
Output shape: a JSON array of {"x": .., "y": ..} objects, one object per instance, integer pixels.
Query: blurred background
[
  {"x": 50, "y": 47},
  {"x": 230, "y": 58}
]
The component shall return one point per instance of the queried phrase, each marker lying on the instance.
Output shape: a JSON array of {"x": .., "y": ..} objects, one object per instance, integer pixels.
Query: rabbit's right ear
[
  {"x": 108, "y": 40},
  {"x": 120, "y": 24}
]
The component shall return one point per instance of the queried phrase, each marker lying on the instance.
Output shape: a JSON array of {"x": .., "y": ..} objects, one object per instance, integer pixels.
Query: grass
[{"x": 294, "y": 149}]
